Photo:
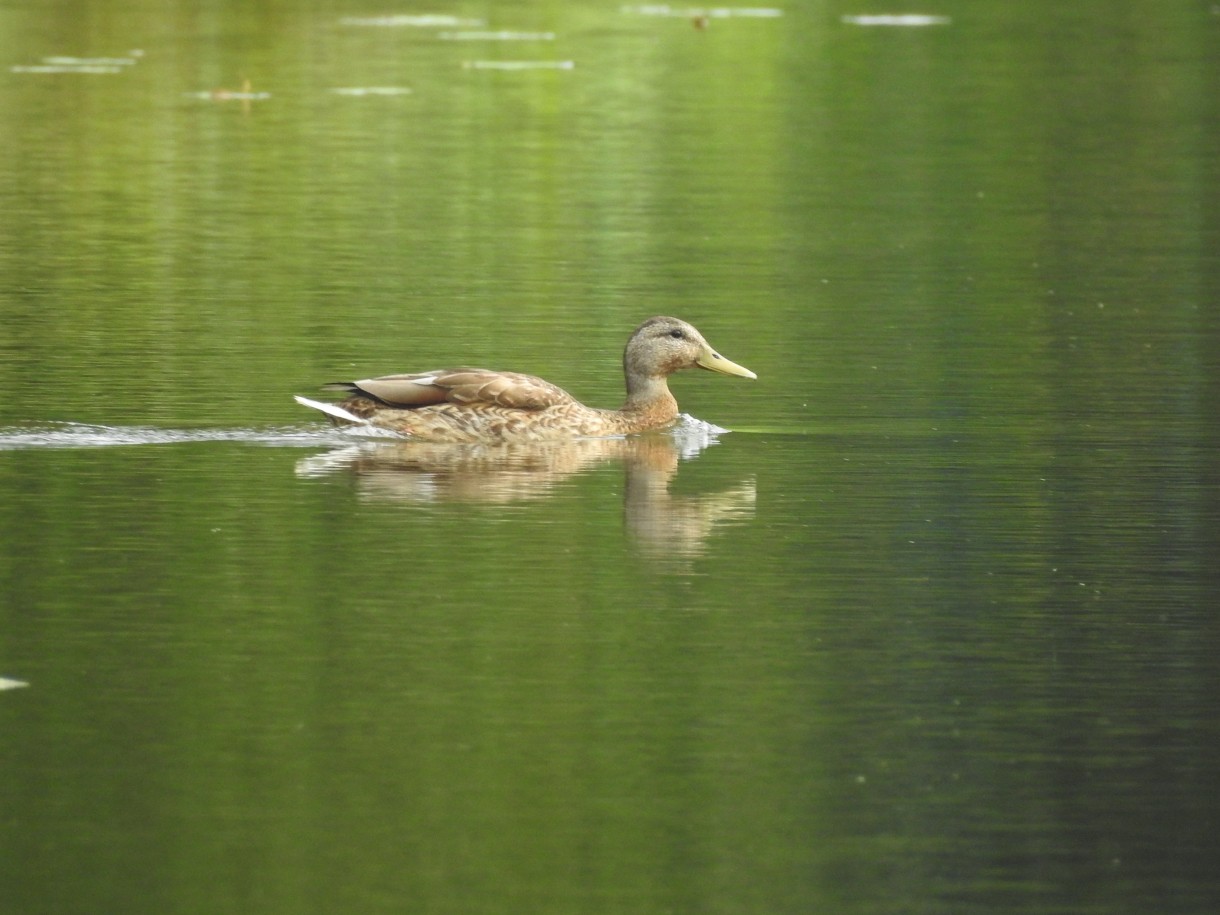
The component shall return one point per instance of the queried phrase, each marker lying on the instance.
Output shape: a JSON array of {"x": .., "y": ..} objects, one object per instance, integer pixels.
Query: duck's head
[{"x": 662, "y": 345}]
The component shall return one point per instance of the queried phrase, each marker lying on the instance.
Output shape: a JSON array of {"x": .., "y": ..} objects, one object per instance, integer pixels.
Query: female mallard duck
[{"x": 477, "y": 405}]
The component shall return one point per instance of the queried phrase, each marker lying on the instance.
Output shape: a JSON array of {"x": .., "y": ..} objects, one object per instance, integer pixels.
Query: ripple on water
[
  {"x": 691, "y": 435},
  {"x": 83, "y": 435}
]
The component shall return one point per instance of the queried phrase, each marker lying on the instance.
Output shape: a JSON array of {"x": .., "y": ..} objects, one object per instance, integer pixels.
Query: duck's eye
[{"x": 676, "y": 334}]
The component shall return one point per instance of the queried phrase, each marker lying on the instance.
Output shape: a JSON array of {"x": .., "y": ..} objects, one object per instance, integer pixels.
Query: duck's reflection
[{"x": 660, "y": 523}]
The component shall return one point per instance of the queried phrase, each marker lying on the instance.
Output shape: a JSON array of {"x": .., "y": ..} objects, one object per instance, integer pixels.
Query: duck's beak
[{"x": 710, "y": 359}]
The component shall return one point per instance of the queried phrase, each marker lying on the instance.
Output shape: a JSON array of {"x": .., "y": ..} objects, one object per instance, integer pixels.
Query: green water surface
[{"x": 933, "y": 629}]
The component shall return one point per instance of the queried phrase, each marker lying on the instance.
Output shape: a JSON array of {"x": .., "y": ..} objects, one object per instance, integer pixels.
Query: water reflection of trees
[{"x": 660, "y": 522}]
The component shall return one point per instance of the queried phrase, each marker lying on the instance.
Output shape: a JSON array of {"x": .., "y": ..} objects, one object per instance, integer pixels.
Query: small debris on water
[
  {"x": 245, "y": 94},
  {"x": 62, "y": 63},
  {"x": 228, "y": 95},
  {"x": 896, "y": 19},
  {"x": 371, "y": 90},
  {"x": 697, "y": 14},
  {"x": 59, "y": 68},
  {"x": 496, "y": 36},
  {"x": 519, "y": 64},
  {"x": 421, "y": 21},
  {"x": 89, "y": 61}
]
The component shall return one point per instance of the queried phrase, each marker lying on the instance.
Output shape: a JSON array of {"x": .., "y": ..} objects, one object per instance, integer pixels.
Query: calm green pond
[{"x": 932, "y": 629}]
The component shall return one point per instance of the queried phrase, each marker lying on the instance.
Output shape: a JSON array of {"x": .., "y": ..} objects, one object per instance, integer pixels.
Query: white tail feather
[{"x": 330, "y": 409}]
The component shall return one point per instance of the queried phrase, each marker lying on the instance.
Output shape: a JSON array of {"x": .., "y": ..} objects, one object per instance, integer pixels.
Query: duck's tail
[{"x": 334, "y": 411}]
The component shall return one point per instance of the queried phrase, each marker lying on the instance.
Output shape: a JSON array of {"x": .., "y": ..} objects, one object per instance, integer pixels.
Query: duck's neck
[{"x": 650, "y": 395}]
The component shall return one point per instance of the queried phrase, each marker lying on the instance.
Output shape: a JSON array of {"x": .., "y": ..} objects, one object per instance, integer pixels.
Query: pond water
[{"x": 933, "y": 628}]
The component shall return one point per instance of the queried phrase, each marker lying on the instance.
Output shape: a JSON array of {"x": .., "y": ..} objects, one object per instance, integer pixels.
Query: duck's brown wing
[{"x": 460, "y": 386}]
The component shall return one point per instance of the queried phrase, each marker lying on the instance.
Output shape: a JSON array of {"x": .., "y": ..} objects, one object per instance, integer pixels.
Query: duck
[{"x": 472, "y": 406}]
